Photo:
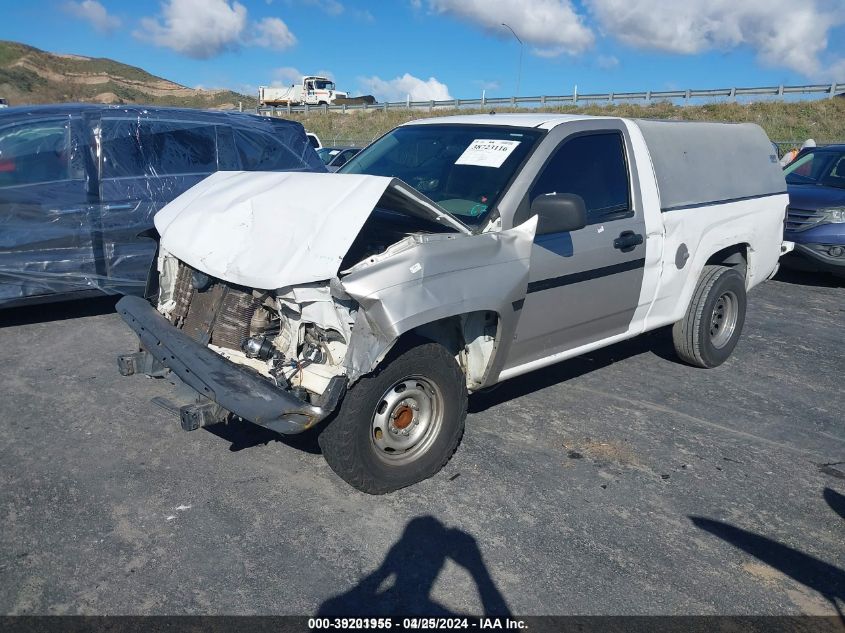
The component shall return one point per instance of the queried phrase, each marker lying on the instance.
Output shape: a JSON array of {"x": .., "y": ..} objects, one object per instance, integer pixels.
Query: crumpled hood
[{"x": 268, "y": 230}]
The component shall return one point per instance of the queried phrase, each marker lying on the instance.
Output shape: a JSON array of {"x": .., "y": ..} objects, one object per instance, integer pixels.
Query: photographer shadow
[
  {"x": 821, "y": 576},
  {"x": 402, "y": 584}
]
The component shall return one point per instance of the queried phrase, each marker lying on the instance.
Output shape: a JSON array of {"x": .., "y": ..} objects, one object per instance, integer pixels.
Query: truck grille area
[
  {"x": 801, "y": 220},
  {"x": 219, "y": 313}
]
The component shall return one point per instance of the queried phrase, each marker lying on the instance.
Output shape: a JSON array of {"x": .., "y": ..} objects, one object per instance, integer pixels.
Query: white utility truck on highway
[
  {"x": 449, "y": 255},
  {"x": 312, "y": 90}
]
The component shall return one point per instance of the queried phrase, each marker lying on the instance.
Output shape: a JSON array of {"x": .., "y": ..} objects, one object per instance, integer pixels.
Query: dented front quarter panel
[{"x": 440, "y": 276}]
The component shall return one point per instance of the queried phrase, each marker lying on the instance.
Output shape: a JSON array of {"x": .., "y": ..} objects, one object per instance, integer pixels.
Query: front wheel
[
  {"x": 401, "y": 424},
  {"x": 710, "y": 329}
]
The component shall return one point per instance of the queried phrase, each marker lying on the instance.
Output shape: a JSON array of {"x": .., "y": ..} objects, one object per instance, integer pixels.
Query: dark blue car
[
  {"x": 816, "y": 218},
  {"x": 80, "y": 184}
]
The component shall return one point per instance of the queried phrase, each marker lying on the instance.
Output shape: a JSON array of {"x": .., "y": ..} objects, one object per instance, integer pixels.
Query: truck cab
[{"x": 320, "y": 91}]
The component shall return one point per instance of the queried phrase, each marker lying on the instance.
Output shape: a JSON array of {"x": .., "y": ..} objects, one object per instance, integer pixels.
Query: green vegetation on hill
[
  {"x": 30, "y": 75},
  {"x": 822, "y": 120}
]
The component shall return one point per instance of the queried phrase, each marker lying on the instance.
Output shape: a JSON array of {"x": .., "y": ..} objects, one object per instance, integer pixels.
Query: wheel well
[
  {"x": 735, "y": 256},
  {"x": 471, "y": 338}
]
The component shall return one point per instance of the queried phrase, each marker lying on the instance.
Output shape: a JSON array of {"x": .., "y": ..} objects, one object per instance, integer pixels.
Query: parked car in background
[
  {"x": 313, "y": 140},
  {"x": 326, "y": 154},
  {"x": 340, "y": 156},
  {"x": 80, "y": 184},
  {"x": 816, "y": 218}
]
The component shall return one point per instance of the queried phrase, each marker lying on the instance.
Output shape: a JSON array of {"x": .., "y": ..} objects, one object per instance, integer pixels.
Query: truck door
[
  {"x": 584, "y": 285},
  {"x": 310, "y": 93}
]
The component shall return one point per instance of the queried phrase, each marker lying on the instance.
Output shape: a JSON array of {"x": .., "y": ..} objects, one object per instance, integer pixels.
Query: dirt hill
[{"x": 30, "y": 75}]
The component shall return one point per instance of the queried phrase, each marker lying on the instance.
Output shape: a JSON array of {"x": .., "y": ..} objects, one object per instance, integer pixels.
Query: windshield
[
  {"x": 463, "y": 168},
  {"x": 323, "y": 85},
  {"x": 820, "y": 167}
]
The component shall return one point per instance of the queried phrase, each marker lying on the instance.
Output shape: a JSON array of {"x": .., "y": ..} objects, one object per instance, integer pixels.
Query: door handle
[{"x": 627, "y": 241}]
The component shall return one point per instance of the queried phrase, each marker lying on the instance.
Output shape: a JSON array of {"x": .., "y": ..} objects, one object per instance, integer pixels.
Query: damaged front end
[{"x": 277, "y": 292}]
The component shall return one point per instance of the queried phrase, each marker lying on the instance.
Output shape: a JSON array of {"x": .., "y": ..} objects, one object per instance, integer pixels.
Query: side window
[
  {"x": 36, "y": 152},
  {"x": 157, "y": 148},
  {"x": 263, "y": 152},
  {"x": 594, "y": 167}
]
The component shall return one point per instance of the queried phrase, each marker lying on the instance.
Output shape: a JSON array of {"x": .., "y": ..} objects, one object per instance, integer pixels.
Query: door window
[
  {"x": 263, "y": 152},
  {"x": 133, "y": 148},
  {"x": 35, "y": 152},
  {"x": 592, "y": 166}
]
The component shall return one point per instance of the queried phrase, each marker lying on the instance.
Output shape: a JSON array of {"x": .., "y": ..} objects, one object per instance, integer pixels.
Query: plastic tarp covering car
[{"x": 80, "y": 185}]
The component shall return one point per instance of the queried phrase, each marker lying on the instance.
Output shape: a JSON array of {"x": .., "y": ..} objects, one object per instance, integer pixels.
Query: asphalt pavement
[{"x": 621, "y": 482}]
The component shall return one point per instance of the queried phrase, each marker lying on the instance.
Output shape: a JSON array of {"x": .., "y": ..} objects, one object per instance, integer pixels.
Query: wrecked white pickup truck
[{"x": 450, "y": 255}]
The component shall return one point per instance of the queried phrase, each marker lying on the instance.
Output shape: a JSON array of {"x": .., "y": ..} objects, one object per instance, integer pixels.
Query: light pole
[{"x": 519, "y": 73}]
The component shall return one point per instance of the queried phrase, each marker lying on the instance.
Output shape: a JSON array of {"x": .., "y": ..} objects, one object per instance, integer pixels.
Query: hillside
[
  {"x": 822, "y": 120},
  {"x": 30, "y": 75}
]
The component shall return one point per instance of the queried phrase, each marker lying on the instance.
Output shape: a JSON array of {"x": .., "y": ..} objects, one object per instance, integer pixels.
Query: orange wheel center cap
[{"x": 402, "y": 417}]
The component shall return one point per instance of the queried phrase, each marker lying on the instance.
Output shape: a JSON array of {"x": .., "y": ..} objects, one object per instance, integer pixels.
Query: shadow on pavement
[
  {"x": 244, "y": 434},
  {"x": 58, "y": 311},
  {"x": 836, "y": 501},
  {"x": 402, "y": 584},
  {"x": 808, "y": 278},
  {"x": 657, "y": 342},
  {"x": 816, "y": 574}
]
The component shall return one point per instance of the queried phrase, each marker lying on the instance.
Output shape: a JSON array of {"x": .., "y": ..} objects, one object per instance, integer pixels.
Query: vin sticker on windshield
[{"x": 484, "y": 152}]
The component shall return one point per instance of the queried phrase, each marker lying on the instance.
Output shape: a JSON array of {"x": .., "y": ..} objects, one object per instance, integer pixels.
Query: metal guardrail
[{"x": 830, "y": 90}]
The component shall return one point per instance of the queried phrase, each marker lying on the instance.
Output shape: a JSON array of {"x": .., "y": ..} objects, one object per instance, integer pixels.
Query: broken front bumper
[{"x": 234, "y": 388}]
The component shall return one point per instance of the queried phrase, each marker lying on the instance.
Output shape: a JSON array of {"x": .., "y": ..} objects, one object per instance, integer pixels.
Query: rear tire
[
  {"x": 710, "y": 329},
  {"x": 401, "y": 424}
]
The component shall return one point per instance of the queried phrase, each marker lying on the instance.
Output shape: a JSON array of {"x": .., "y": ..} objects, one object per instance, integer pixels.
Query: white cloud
[
  {"x": 835, "y": 72},
  {"x": 399, "y": 88},
  {"x": 95, "y": 14},
  {"x": 334, "y": 8},
  {"x": 487, "y": 85},
  {"x": 205, "y": 28},
  {"x": 783, "y": 33},
  {"x": 553, "y": 27},
  {"x": 607, "y": 62},
  {"x": 273, "y": 33},
  {"x": 287, "y": 75},
  {"x": 330, "y": 7}
]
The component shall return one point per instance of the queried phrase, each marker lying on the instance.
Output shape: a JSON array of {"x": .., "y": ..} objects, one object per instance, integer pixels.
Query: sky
[{"x": 443, "y": 49}]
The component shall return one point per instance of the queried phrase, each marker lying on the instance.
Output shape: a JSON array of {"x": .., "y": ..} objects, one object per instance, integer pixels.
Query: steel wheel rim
[
  {"x": 723, "y": 319},
  {"x": 407, "y": 420}
]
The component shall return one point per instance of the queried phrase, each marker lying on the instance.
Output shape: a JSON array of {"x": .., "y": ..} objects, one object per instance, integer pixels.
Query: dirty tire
[
  {"x": 347, "y": 442},
  {"x": 693, "y": 336}
]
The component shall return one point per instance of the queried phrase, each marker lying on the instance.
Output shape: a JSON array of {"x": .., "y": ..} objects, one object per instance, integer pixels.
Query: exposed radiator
[
  {"x": 219, "y": 314},
  {"x": 233, "y": 319}
]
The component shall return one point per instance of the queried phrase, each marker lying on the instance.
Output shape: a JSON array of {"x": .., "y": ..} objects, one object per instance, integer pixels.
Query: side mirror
[{"x": 559, "y": 212}]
